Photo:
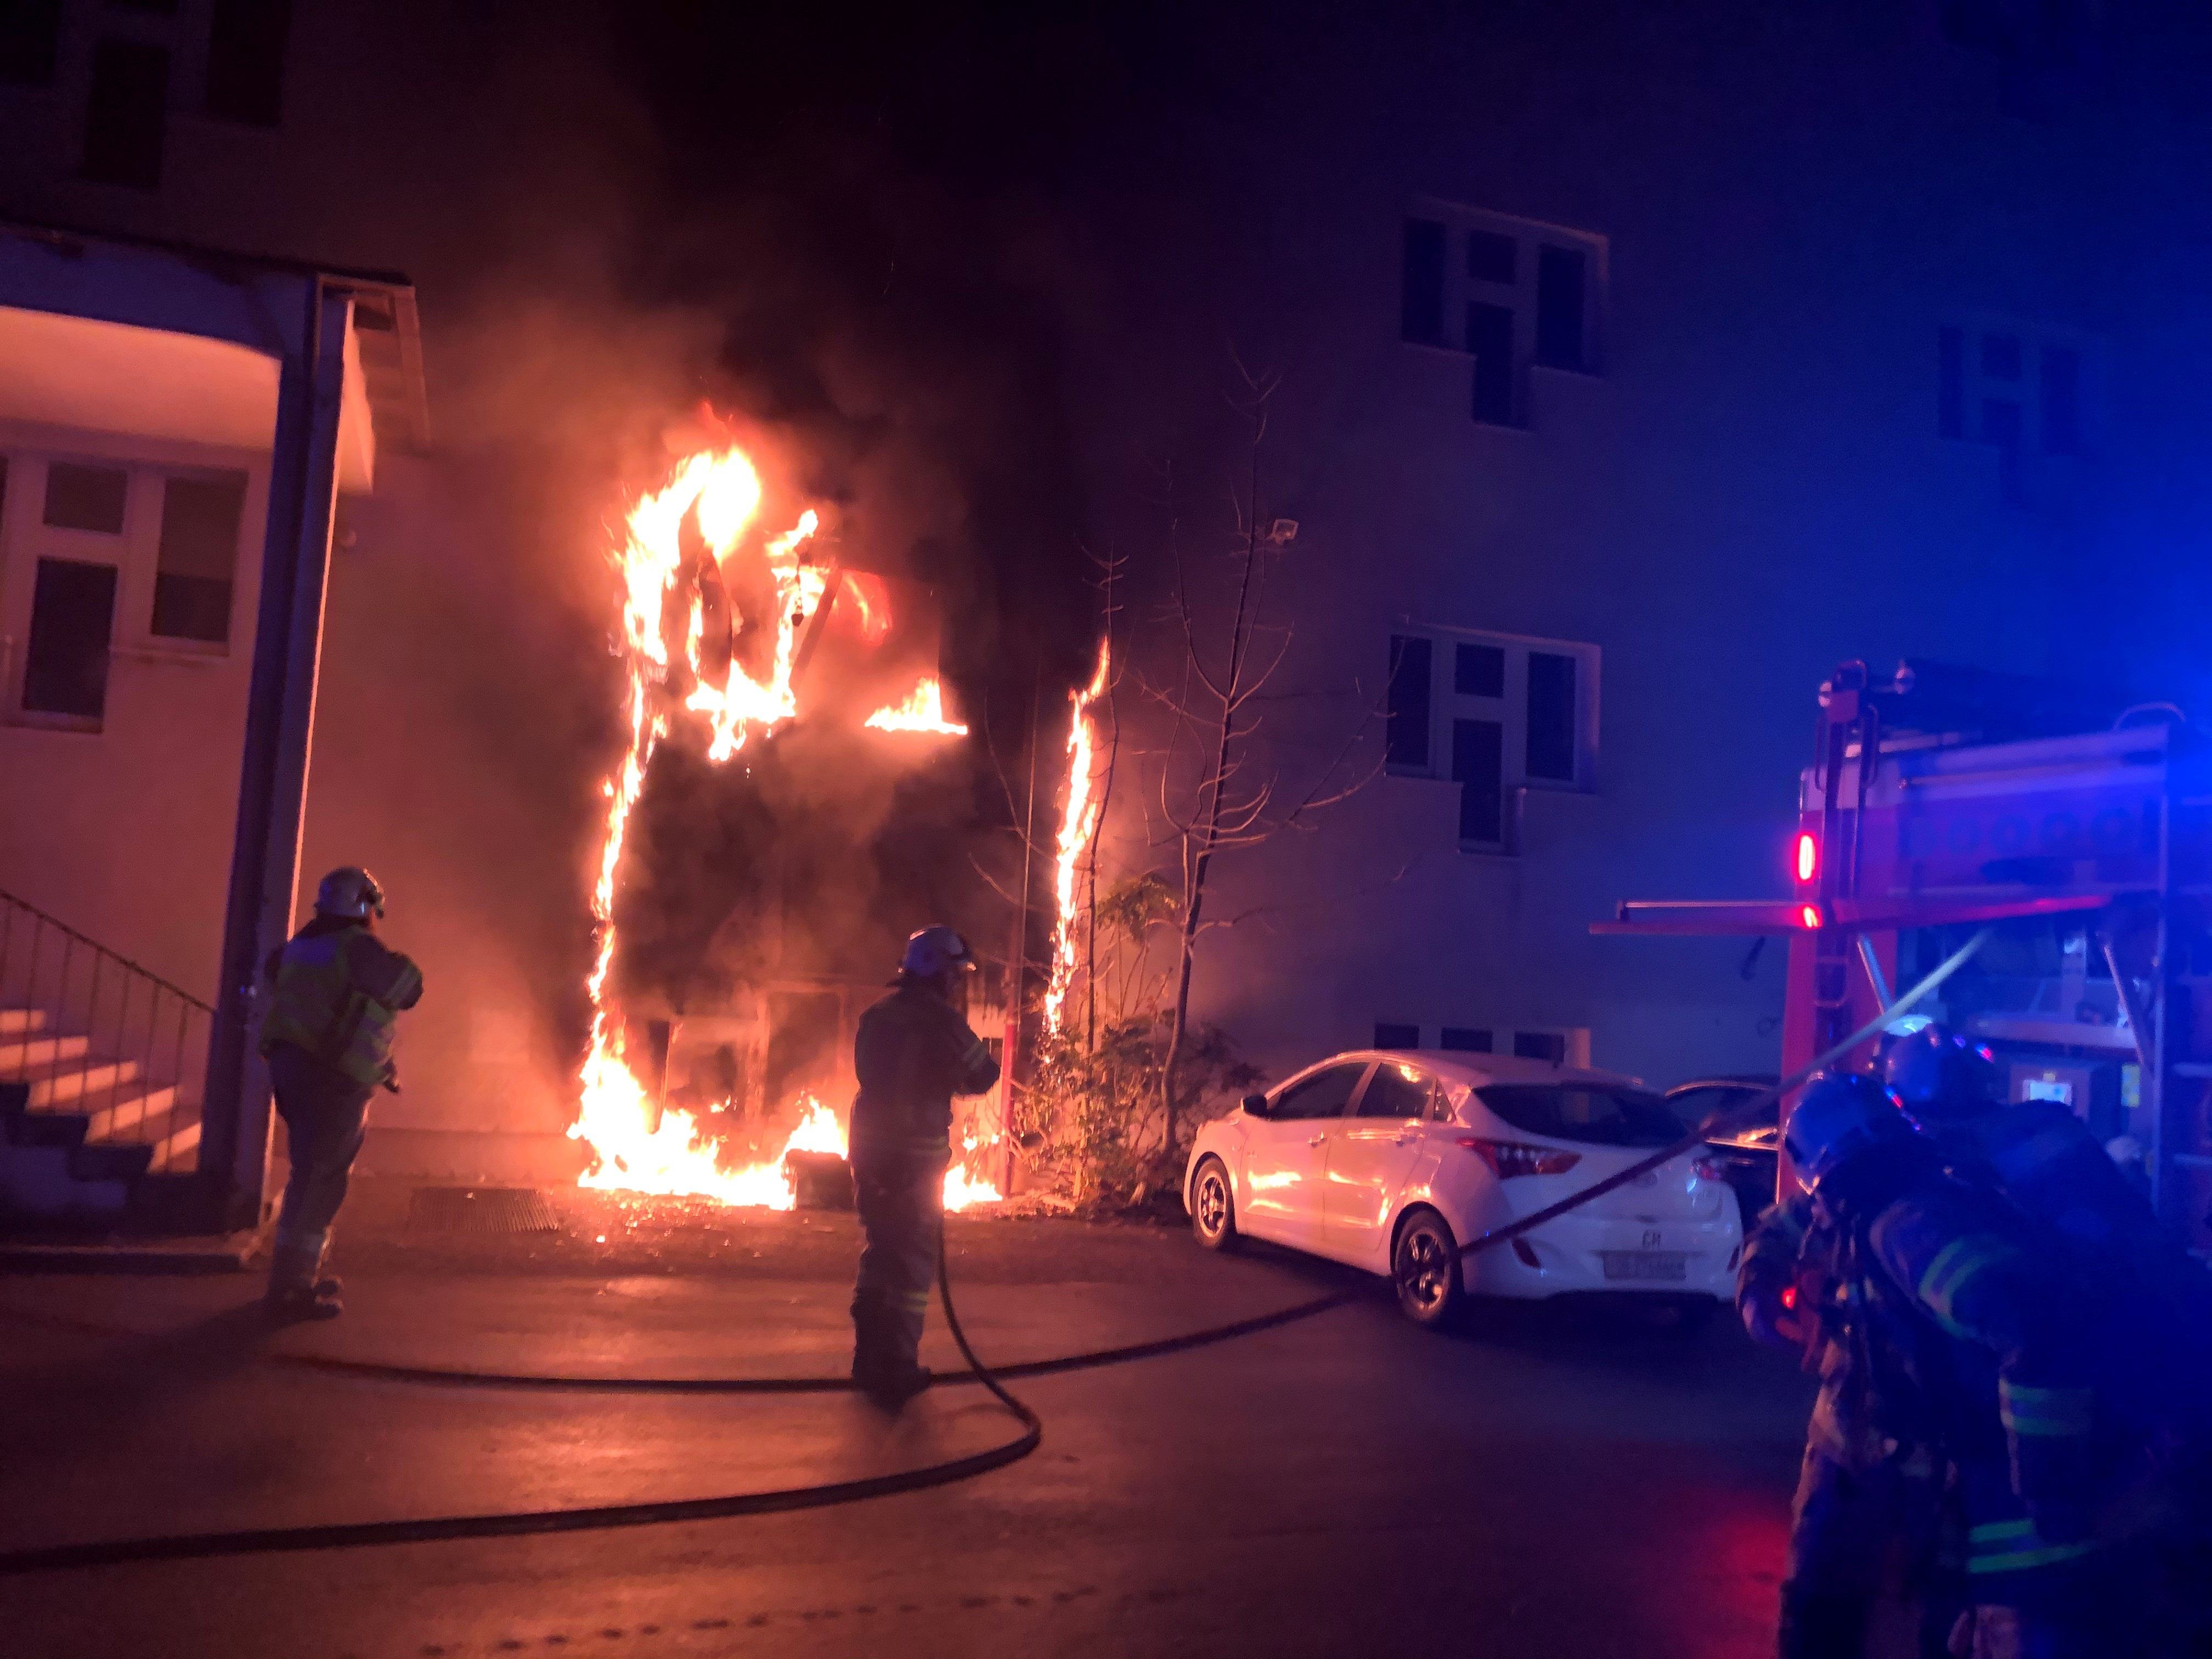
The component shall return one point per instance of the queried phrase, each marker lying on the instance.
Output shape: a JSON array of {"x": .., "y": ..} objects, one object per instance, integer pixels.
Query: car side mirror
[{"x": 1254, "y": 1105}]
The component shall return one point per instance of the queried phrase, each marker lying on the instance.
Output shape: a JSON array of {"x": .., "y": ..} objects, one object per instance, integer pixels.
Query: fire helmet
[
  {"x": 351, "y": 892},
  {"x": 936, "y": 950},
  {"x": 1840, "y": 1115},
  {"x": 1938, "y": 1073}
]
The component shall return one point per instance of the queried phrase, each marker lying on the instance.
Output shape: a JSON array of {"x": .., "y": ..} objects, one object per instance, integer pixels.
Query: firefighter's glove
[{"x": 1765, "y": 1301}]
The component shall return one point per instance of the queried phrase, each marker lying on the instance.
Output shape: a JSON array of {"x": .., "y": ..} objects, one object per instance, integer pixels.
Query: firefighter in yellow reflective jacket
[
  {"x": 335, "y": 994},
  {"x": 1966, "y": 1302},
  {"x": 913, "y": 1053}
]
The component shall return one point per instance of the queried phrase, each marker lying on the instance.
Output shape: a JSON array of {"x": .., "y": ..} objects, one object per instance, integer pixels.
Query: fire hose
[{"x": 598, "y": 1517}]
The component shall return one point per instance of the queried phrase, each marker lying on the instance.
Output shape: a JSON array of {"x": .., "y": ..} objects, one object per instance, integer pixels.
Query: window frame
[
  {"x": 1448, "y": 704},
  {"x": 1464, "y": 293},
  {"x": 1359, "y": 1068},
  {"x": 1964, "y": 386}
]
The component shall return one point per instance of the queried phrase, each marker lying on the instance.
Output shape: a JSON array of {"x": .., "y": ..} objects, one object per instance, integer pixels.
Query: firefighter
[
  {"x": 1961, "y": 1298},
  {"x": 1870, "y": 1482},
  {"x": 335, "y": 996},
  {"x": 913, "y": 1053}
]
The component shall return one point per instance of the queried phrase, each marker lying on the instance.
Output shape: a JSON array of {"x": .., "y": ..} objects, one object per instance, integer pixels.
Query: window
[
  {"x": 72, "y": 619},
  {"x": 125, "y": 114},
  {"x": 1406, "y": 723},
  {"x": 1421, "y": 315},
  {"x": 1396, "y": 1091},
  {"x": 2010, "y": 387},
  {"x": 1514, "y": 714},
  {"x": 1387, "y": 1036},
  {"x": 30, "y": 42},
  {"x": 1599, "y": 1117},
  {"x": 1524, "y": 294},
  {"x": 1548, "y": 1046},
  {"x": 198, "y": 557},
  {"x": 86, "y": 497},
  {"x": 1325, "y": 1094},
  {"x": 1465, "y": 1039},
  {"x": 245, "y": 60}
]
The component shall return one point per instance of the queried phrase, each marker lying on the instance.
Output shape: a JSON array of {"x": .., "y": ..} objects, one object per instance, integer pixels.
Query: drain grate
[{"x": 480, "y": 1210}]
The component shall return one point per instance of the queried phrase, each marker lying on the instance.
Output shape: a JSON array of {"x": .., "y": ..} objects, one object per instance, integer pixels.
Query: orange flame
[
  {"x": 720, "y": 491},
  {"x": 1078, "y": 823},
  {"x": 872, "y": 605},
  {"x": 922, "y": 711}
]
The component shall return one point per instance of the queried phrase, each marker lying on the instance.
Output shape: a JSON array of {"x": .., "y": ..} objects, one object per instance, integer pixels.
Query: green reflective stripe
[
  {"x": 1952, "y": 1270},
  {"x": 2046, "y": 1555},
  {"x": 2034, "y": 1410},
  {"x": 1996, "y": 1530}
]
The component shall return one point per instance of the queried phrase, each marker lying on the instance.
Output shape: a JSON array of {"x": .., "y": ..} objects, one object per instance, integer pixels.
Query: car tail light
[
  {"x": 1507, "y": 1158},
  {"x": 1709, "y": 1168},
  {"x": 1808, "y": 855},
  {"x": 1790, "y": 1297}
]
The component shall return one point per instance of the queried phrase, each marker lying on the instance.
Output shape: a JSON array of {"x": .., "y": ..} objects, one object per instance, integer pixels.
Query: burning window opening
[{"x": 684, "y": 637}]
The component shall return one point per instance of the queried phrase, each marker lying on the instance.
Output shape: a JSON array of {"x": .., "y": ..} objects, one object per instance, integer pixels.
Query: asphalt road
[{"x": 1555, "y": 1482}]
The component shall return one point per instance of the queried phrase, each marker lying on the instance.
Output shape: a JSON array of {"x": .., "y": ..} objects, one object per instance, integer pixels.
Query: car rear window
[{"x": 1597, "y": 1117}]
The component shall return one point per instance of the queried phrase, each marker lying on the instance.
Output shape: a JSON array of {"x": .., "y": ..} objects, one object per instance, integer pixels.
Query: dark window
[
  {"x": 1325, "y": 1094},
  {"x": 1407, "y": 725},
  {"x": 1490, "y": 338},
  {"x": 2061, "y": 401},
  {"x": 199, "y": 555},
  {"x": 1601, "y": 1117},
  {"x": 245, "y": 60},
  {"x": 1490, "y": 256},
  {"x": 30, "y": 41},
  {"x": 1478, "y": 670},
  {"x": 1387, "y": 1036},
  {"x": 2001, "y": 356},
  {"x": 1951, "y": 383},
  {"x": 1559, "y": 307},
  {"x": 1395, "y": 1092},
  {"x": 1478, "y": 749},
  {"x": 2000, "y": 422},
  {"x": 1550, "y": 716},
  {"x": 86, "y": 497},
  {"x": 1541, "y": 1045},
  {"x": 126, "y": 114},
  {"x": 72, "y": 612},
  {"x": 1465, "y": 1039},
  {"x": 1421, "y": 307}
]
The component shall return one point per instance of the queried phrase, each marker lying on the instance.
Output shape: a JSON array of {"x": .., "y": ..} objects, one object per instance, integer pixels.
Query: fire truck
[{"x": 1943, "y": 800}]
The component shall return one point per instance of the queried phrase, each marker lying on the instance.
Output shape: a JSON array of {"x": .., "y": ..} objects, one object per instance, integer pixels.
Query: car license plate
[{"x": 1664, "y": 1267}]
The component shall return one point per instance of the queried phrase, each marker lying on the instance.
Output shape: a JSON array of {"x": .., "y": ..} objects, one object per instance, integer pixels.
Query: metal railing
[{"x": 89, "y": 1031}]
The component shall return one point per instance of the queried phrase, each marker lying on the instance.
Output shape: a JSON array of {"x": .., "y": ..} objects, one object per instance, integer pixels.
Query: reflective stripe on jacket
[{"x": 336, "y": 995}]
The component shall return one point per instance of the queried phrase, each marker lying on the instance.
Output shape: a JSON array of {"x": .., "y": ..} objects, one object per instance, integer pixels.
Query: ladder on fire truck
[{"x": 1942, "y": 799}]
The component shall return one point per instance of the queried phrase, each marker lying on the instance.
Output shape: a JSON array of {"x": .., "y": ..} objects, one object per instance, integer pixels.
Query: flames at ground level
[{"x": 672, "y": 1158}]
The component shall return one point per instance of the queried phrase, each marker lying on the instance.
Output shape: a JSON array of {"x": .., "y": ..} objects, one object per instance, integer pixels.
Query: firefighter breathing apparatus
[{"x": 598, "y": 1517}]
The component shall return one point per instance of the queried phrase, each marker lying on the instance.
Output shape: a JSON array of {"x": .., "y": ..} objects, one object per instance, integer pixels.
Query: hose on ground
[{"x": 597, "y": 1517}]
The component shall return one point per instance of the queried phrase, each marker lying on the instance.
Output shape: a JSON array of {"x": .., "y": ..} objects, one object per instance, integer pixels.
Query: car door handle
[
  {"x": 1404, "y": 1139},
  {"x": 1316, "y": 1140}
]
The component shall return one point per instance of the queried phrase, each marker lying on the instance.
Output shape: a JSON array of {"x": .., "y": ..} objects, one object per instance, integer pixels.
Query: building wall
[{"x": 124, "y": 832}]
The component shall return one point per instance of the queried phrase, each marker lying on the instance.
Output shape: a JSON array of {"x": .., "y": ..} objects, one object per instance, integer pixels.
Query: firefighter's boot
[{"x": 297, "y": 1290}]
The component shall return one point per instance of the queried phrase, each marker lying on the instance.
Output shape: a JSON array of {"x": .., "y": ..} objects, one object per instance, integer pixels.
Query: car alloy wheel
[
  {"x": 1424, "y": 1267},
  {"x": 1212, "y": 1205}
]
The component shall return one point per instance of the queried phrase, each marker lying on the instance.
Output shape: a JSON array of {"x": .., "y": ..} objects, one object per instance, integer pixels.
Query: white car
[{"x": 1390, "y": 1160}]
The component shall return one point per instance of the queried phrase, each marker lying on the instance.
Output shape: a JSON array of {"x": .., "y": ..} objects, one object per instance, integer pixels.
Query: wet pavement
[{"x": 1556, "y": 1481}]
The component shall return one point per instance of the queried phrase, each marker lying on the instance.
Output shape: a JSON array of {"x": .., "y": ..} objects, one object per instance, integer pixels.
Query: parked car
[
  {"x": 1750, "y": 1152},
  {"x": 1390, "y": 1160}
]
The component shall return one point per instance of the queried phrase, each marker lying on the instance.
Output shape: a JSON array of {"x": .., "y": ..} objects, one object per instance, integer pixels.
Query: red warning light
[
  {"x": 1810, "y": 915},
  {"x": 1808, "y": 855}
]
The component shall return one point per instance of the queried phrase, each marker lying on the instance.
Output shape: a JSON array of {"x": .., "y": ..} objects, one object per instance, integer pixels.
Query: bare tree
[{"x": 1229, "y": 793}]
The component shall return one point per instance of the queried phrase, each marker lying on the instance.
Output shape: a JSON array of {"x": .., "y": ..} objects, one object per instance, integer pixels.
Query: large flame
[
  {"x": 1078, "y": 823},
  {"x": 718, "y": 491},
  {"x": 922, "y": 711}
]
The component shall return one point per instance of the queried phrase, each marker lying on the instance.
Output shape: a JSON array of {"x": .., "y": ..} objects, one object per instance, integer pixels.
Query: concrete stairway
[{"x": 81, "y": 1133}]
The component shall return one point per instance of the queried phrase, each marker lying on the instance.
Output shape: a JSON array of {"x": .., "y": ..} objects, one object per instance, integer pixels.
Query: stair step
[
  {"x": 46, "y": 1129},
  {"x": 16, "y": 1021},
  {"x": 132, "y": 1116},
  {"x": 48, "y": 1085},
  {"x": 112, "y": 1161},
  {"x": 175, "y": 1141},
  {"x": 19, "y": 1054}
]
